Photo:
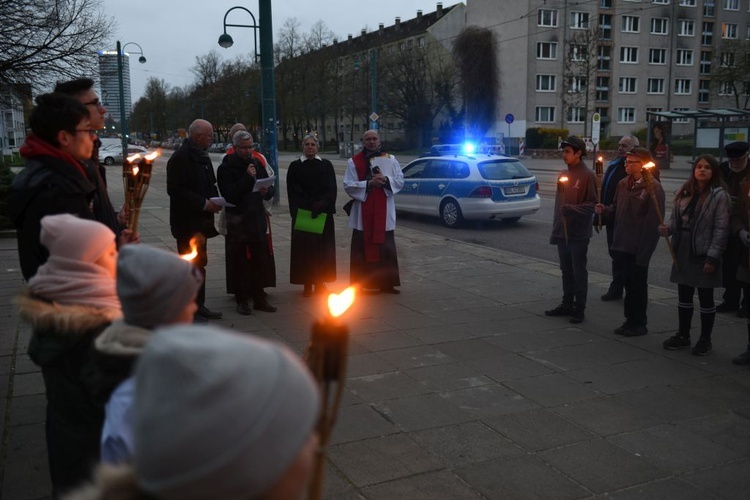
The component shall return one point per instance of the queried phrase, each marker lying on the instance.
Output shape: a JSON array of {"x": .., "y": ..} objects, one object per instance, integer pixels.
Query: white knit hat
[
  {"x": 62, "y": 234},
  {"x": 218, "y": 414},
  {"x": 154, "y": 285}
]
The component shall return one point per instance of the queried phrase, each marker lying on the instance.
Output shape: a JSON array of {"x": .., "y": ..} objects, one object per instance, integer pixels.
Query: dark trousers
[
  {"x": 635, "y": 281},
  {"x": 730, "y": 261},
  {"x": 200, "y": 262},
  {"x": 616, "y": 285},
  {"x": 575, "y": 276}
]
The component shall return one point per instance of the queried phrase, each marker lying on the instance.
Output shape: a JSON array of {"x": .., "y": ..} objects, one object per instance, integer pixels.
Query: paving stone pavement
[{"x": 460, "y": 387}]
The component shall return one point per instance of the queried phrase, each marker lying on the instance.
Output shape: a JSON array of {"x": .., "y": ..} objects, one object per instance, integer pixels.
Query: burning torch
[
  {"x": 646, "y": 170},
  {"x": 599, "y": 170},
  {"x": 561, "y": 189},
  {"x": 136, "y": 175},
  {"x": 327, "y": 359}
]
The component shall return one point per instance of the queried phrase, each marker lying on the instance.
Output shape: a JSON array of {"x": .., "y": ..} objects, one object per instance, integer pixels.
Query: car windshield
[{"x": 502, "y": 170}]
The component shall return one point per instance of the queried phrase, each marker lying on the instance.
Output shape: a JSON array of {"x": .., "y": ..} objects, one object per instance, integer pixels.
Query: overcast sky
[{"x": 173, "y": 32}]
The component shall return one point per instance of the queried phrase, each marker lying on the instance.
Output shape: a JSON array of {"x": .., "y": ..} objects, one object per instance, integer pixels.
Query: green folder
[{"x": 305, "y": 222}]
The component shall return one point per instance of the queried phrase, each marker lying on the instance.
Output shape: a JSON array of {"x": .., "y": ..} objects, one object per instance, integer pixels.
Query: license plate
[{"x": 515, "y": 190}]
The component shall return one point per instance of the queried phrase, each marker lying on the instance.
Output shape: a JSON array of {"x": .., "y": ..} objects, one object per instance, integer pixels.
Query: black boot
[
  {"x": 684, "y": 321},
  {"x": 577, "y": 315},
  {"x": 564, "y": 309}
]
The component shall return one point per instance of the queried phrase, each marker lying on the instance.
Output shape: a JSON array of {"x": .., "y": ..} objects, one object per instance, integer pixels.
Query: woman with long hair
[{"x": 700, "y": 225}]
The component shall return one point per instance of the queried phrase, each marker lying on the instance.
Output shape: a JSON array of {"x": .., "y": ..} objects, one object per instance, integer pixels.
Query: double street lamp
[
  {"x": 268, "y": 111},
  {"x": 123, "y": 119}
]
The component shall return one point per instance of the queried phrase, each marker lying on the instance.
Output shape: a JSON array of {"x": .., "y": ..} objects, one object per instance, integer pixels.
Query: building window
[
  {"x": 707, "y": 37},
  {"x": 706, "y": 60},
  {"x": 629, "y": 55},
  {"x": 747, "y": 36},
  {"x": 546, "y": 83},
  {"x": 683, "y": 86},
  {"x": 576, "y": 84},
  {"x": 605, "y": 26},
  {"x": 576, "y": 114},
  {"x": 660, "y": 26},
  {"x": 657, "y": 56},
  {"x": 626, "y": 115},
  {"x": 708, "y": 8},
  {"x": 662, "y": 2},
  {"x": 602, "y": 88},
  {"x": 726, "y": 59},
  {"x": 546, "y": 50},
  {"x": 545, "y": 114},
  {"x": 687, "y": 3},
  {"x": 654, "y": 110},
  {"x": 631, "y": 24},
  {"x": 605, "y": 4},
  {"x": 605, "y": 59},
  {"x": 684, "y": 57},
  {"x": 726, "y": 88},
  {"x": 421, "y": 42},
  {"x": 681, "y": 120},
  {"x": 731, "y": 4},
  {"x": 628, "y": 85},
  {"x": 604, "y": 113},
  {"x": 656, "y": 85},
  {"x": 577, "y": 52},
  {"x": 579, "y": 20},
  {"x": 547, "y": 17},
  {"x": 728, "y": 30},
  {"x": 686, "y": 27},
  {"x": 704, "y": 91}
]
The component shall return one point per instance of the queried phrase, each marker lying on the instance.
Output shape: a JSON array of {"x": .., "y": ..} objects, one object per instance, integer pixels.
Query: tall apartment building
[
  {"x": 12, "y": 124},
  {"x": 562, "y": 60},
  {"x": 110, "y": 86}
]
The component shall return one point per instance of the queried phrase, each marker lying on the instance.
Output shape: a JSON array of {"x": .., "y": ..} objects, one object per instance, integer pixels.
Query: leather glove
[{"x": 744, "y": 237}]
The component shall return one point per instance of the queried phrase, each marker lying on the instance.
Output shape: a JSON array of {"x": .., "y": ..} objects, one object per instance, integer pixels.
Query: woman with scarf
[
  {"x": 311, "y": 186},
  {"x": 68, "y": 302},
  {"x": 700, "y": 225}
]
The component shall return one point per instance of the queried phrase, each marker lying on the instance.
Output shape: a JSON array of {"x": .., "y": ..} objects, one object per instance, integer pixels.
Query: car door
[
  {"x": 407, "y": 198},
  {"x": 435, "y": 182}
]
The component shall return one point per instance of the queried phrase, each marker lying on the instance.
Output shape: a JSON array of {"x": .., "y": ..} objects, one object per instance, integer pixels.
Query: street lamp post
[
  {"x": 123, "y": 119},
  {"x": 268, "y": 118}
]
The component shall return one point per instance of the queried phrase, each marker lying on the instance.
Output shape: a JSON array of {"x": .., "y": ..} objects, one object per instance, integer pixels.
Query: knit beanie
[
  {"x": 154, "y": 285},
  {"x": 63, "y": 234},
  {"x": 218, "y": 414}
]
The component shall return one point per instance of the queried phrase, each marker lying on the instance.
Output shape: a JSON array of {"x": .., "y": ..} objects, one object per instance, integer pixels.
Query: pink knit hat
[{"x": 73, "y": 238}]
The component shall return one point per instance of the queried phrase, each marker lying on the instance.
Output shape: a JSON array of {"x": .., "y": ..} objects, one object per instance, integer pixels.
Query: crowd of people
[
  {"x": 707, "y": 233},
  {"x": 118, "y": 327}
]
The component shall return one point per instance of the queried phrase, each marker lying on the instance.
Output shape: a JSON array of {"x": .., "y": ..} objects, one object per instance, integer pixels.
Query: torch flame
[
  {"x": 193, "y": 250},
  {"x": 339, "y": 303},
  {"x": 600, "y": 158},
  {"x": 648, "y": 165},
  {"x": 135, "y": 170},
  {"x": 152, "y": 156},
  {"x": 133, "y": 158},
  {"x": 563, "y": 179}
]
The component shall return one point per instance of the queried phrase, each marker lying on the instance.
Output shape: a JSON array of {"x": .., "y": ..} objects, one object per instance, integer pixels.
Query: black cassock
[{"x": 311, "y": 185}]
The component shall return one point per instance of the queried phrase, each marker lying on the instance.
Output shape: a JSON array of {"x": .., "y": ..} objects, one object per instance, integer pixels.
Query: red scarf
[
  {"x": 34, "y": 146},
  {"x": 374, "y": 211}
]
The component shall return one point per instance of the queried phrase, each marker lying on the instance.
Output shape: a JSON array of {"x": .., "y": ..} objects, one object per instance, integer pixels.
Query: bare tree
[
  {"x": 42, "y": 41},
  {"x": 731, "y": 72},
  {"x": 579, "y": 74},
  {"x": 475, "y": 53},
  {"x": 319, "y": 36},
  {"x": 290, "y": 40}
]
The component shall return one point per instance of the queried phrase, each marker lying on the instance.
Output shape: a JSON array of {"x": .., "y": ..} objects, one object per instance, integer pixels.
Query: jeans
[{"x": 575, "y": 276}]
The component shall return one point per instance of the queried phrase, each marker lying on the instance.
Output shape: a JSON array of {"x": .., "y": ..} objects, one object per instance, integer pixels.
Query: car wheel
[
  {"x": 510, "y": 220},
  {"x": 109, "y": 160},
  {"x": 450, "y": 213}
]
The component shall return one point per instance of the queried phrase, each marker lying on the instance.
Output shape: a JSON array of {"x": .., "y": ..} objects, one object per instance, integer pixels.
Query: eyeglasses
[
  {"x": 96, "y": 103},
  {"x": 634, "y": 162},
  {"x": 91, "y": 132}
]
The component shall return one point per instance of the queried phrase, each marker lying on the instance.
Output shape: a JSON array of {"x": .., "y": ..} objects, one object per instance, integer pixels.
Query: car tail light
[{"x": 481, "y": 192}]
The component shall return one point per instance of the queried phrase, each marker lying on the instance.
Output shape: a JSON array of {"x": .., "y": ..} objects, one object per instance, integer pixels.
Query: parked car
[
  {"x": 113, "y": 154},
  {"x": 445, "y": 149},
  {"x": 461, "y": 187}
]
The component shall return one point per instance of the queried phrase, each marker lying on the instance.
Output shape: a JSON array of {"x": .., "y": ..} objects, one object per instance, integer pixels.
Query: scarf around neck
[
  {"x": 374, "y": 208},
  {"x": 34, "y": 146},
  {"x": 73, "y": 282}
]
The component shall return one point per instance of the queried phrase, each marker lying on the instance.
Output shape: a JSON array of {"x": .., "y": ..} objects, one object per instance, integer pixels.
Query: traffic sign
[
  {"x": 374, "y": 117},
  {"x": 595, "y": 128},
  {"x": 509, "y": 118}
]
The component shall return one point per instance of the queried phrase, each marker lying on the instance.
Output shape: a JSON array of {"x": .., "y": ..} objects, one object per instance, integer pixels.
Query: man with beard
[{"x": 372, "y": 178}]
